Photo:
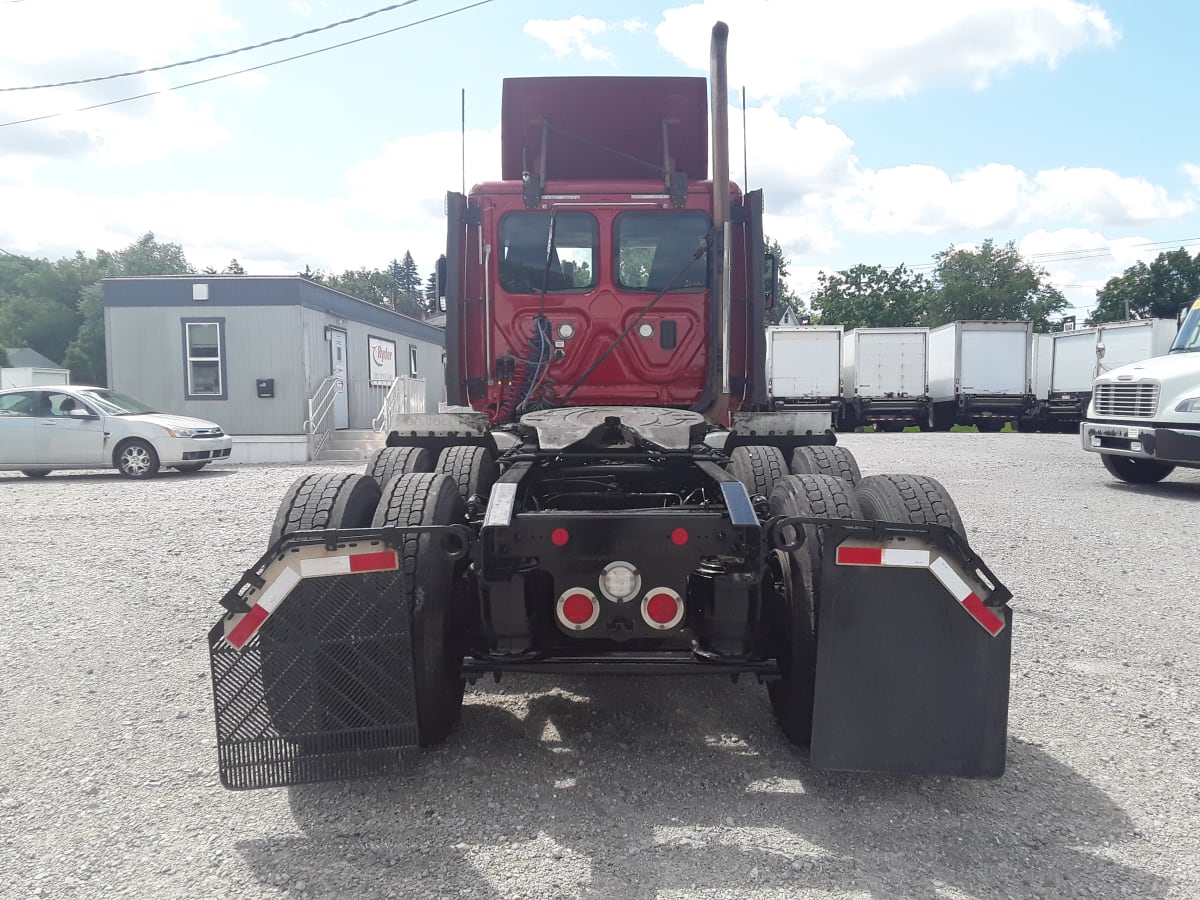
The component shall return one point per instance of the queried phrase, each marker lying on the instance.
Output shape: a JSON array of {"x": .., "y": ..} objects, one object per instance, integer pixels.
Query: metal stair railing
[
  {"x": 318, "y": 426},
  {"x": 406, "y": 395}
]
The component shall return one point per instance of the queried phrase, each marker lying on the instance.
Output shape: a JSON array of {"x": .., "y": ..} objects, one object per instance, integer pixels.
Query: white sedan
[{"x": 77, "y": 427}]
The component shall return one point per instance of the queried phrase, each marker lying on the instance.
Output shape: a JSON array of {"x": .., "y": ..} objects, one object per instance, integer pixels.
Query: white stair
[{"x": 350, "y": 444}]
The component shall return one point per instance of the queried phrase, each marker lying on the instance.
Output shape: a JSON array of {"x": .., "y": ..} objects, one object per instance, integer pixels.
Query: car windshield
[{"x": 113, "y": 404}]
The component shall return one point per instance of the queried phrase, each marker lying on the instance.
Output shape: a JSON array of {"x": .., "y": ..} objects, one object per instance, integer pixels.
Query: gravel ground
[{"x": 612, "y": 787}]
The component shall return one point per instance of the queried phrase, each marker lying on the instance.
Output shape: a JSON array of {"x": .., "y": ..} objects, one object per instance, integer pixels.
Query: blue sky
[{"x": 881, "y": 132}]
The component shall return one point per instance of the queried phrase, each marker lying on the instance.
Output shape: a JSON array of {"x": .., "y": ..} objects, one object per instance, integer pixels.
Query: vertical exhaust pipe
[{"x": 719, "y": 112}]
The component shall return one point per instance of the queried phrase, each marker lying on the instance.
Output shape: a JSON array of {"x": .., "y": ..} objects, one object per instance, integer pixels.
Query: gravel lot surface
[{"x": 610, "y": 788}]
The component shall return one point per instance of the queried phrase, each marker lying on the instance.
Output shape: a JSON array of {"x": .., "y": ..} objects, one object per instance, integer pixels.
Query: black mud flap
[
  {"x": 914, "y": 637},
  {"x": 322, "y": 686}
]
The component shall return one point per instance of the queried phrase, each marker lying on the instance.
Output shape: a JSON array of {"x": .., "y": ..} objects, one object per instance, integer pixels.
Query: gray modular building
[{"x": 250, "y": 353}]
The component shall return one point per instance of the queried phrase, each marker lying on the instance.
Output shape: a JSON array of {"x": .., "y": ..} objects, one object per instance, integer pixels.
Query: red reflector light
[
  {"x": 578, "y": 609},
  {"x": 679, "y": 537},
  {"x": 560, "y": 536},
  {"x": 662, "y": 608}
]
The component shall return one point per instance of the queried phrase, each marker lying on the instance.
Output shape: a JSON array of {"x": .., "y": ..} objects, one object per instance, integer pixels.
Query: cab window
[
  {"x": 657, "y": 251},
  {"x": 524, "y": 238}
]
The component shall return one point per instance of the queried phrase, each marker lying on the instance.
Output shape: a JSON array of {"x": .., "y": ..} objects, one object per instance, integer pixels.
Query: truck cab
[
  {"x": 1144, "y": 418},
  {"x": 588, "y": 274}
]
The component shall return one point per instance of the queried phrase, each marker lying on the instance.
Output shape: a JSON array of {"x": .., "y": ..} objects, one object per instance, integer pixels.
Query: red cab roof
[{"x": 604, "y": 127}]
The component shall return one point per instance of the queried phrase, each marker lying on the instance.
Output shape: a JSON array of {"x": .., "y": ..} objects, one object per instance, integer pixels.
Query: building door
[{"x": 337, "y": 368}]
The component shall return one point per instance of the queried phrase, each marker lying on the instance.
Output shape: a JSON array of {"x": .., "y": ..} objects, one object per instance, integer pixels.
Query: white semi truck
[{"x": 1144, "y": 418}]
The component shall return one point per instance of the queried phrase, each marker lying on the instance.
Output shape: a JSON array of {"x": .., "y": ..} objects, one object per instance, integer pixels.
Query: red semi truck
[{"x": 613, "y": 493}]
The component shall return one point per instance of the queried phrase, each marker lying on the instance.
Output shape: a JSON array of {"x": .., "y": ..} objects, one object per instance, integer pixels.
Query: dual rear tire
[
  {"x": 431, "y": 588},
  {"x": 794, "y": 579}
]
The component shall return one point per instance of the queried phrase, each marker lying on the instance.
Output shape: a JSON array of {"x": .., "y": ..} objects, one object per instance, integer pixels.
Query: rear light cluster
[{"x": 578, "y": 609}]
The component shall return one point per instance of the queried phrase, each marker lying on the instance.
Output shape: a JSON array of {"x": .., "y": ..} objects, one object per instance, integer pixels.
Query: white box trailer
[
  {"x": 1074, "y": 359},
  {"x": 884, "y": 377},
  {"x": 804, "y": 365},
  {"x": 980, "y": 373},
  {"x": 1123, "y": 343},
  {"x": 32, "y": 376}
]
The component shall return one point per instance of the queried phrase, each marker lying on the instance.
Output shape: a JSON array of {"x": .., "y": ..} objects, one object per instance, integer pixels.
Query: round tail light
[
  {"x": 578, "y": 609},
  {"x": 662, "y": 608}
]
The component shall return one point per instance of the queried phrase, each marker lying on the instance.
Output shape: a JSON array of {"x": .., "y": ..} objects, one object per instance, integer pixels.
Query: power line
[
  {"x": 211, "y": 56},
  {"x": 267, "y": 65}
]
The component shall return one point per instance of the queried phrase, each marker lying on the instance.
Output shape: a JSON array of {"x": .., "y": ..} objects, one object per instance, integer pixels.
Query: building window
[
  {"x": 412, "y": 361},
  {"x": 204, "y": 359}
]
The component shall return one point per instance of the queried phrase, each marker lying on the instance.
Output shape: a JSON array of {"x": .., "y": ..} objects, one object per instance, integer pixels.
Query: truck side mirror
[
  {"x": 1099, "y": 351},
  {"x": 440, "y": 293},
  {"x": 770, "y": 280}
]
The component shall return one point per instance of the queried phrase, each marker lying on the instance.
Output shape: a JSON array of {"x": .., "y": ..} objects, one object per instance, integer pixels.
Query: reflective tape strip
[
  {"x": 882, "y": 556},
  {"x": 325, "y": 565},
  {"x": 961, "y": 591},
  {"x": 246, "y": 627},
  {"x": 272, "y": 595},
  {"x": 347, "y": 563},
  {"x": 267, "y": 600},
  {"x": 991, "y": 621}
]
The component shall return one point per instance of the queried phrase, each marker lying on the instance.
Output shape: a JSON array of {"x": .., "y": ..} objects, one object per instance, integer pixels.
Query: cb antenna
[{"x": 463, "y": 132}]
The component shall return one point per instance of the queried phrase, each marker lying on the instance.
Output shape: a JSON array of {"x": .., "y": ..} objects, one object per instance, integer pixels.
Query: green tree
[
  {"x": 1154, "y": 291},
  {"x": 408, "y": 281},
  {"x": 85, "y": 357},
  {"x": 871, "y": 297},
  {"x": 785, "y": 298},
  {"x": 234, "y": 268},
  {"x": 990, "y": 283},
  {"x": 146, "y": 256},
  {"x": 434, "y": 291}
]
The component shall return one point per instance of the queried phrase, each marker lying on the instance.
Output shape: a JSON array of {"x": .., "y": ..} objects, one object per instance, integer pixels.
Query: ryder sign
[{"x": 382, "y": 354}]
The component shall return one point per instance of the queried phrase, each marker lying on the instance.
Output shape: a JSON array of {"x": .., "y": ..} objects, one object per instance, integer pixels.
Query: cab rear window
[
  {"x": 531, "y": 257},
  {"x": 659, "y": 251}
]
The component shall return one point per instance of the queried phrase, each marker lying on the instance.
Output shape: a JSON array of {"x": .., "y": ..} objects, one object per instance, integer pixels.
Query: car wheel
[
  {"x": 136, "y": 459},
  {"x": 35, "y": 473},
  {"x": 1134, "y": 470},
  {"x": 191, "y": 467}
]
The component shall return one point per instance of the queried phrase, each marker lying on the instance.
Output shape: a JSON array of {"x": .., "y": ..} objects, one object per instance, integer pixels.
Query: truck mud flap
[
  {"x": 313, "y": 675},
  {"x": 914, "y": 637}
]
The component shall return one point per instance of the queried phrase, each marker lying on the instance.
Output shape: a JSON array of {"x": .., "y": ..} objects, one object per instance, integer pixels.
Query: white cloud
[
  {"x": 574, "y": 36},
  {"x": 105, "y": 39},
  {"x": 382, "y": 212},
  {"x": 880, "y": 48},
  {"x": 1098, "y": 195},
  {"x": 818, "y": 195}
]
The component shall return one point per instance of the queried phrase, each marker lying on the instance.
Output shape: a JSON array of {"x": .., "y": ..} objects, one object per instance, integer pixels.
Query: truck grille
[{"x": 1139, "y": 401}]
